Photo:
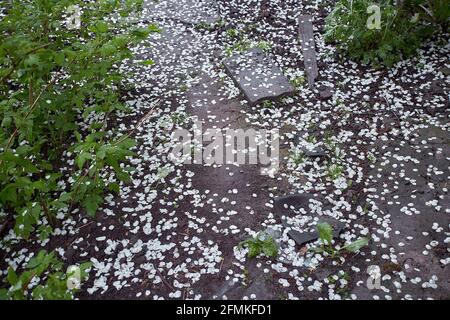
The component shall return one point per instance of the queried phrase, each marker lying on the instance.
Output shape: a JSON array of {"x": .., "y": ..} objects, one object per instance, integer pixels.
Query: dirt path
[{"x": 238, "y": 195}]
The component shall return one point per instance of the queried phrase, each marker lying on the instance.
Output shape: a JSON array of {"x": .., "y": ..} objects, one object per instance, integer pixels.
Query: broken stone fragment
[
  {"x": 281, "y": 207},
  {"x": 257, "y": 76},
  {"x": 325, "y": 93},
  {"x": 302, "y": 238},
  {"x": 308, "y": 48},
  {"x": 313, "y": 152}
]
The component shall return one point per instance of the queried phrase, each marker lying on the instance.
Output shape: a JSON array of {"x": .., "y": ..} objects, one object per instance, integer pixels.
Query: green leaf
[
  {"x": 59, "y": 58},
  {"x": 114, "y": 187},
  {"x": 82, "y": 158},
  {"x": 91, "y": 204},
  {"x": 253, "y": 250},
  {"x": 270, "y": 248},
  {"x": 65, "y": 197},
  {"x": 262, "y": 243},
  {"x": 12, "y": 276},
  {"x": 154, "y": 28},
  {"x": 83, "y": 269},
  {"x": 325, "y": 232},
  {"x": 148, "y": 62},
  {"x": 32, "y": 60},
  {"x": 107, "y": 50},
  {"x": 101, "y": 27},
  {"x": 317, "y": 250},
  {"x": 44, "y": 232},
  {"x": 123, "y": 176},
  {"x": 9, "y": 194},
  {"x": 4, "y": 294},
  {"x": 356, "y": 245}
]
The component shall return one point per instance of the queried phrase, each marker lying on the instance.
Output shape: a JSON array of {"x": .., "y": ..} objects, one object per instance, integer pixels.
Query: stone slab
[
  {"x": 308, "y": 48},
  {"x": 257, "y": 76}
]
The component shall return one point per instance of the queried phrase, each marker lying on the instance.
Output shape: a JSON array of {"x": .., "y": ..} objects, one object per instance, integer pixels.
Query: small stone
[
  {"x": 325, "y": 93},
  {"x": 445, "y": 71},
  {"x": 314, "y": 152}
]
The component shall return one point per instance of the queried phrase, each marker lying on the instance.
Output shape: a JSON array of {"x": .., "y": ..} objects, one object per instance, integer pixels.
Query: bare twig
[
  {"x": 164, "y": 280},
  {"x": 84, "y": 225},
  {"x": 139, "y": 124}
]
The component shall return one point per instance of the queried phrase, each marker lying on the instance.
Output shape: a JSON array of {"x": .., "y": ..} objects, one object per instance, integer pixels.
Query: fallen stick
[{"x": 164, "y": 280}]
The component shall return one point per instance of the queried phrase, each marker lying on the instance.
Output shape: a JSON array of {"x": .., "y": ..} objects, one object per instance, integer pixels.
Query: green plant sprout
[
  {"x": 262, "y": 243},
  {"x": 298, "y": 82},
  {"x": 334, "y": 171},
  {"x": 264, "y": 45},
  {"x": 268, "y": 104},
  {"x": 232, "y": 33},
  {"x": 297, "y": 157},
  {"x": 371, "y": 157},
  {"x": 325, "y": 231},
  {"x": 244, "y": 44}
]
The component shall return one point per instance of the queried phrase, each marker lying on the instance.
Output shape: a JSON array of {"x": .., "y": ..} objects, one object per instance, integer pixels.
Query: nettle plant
[
  {"x": 404, "y": 25},
  {"x": 58, "y": 88}
]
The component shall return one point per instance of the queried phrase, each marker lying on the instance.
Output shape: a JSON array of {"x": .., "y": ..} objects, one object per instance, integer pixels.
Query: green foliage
[
  {"x": 371, "y": 157},
  {"x": 356, "y": 245},
  {"x": 298, "y": 157},
  {"x": 93, "y": 155},
  {"x": 436, "y": 12},
  {"x": 334, "y": 171},
  {"x": 55, "y": 286},
  {"x": 298, "y": 82},
  {"x": 242, "y": 44},
  {"x": 264, "y": 45},
  {"x": 325, "y": 231},
  {"x": 51, "y": 79},
  {"x": 262, "y": 243},
  {"x": 232, "y": 33},
  {"x": 403, "y": 28}
]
